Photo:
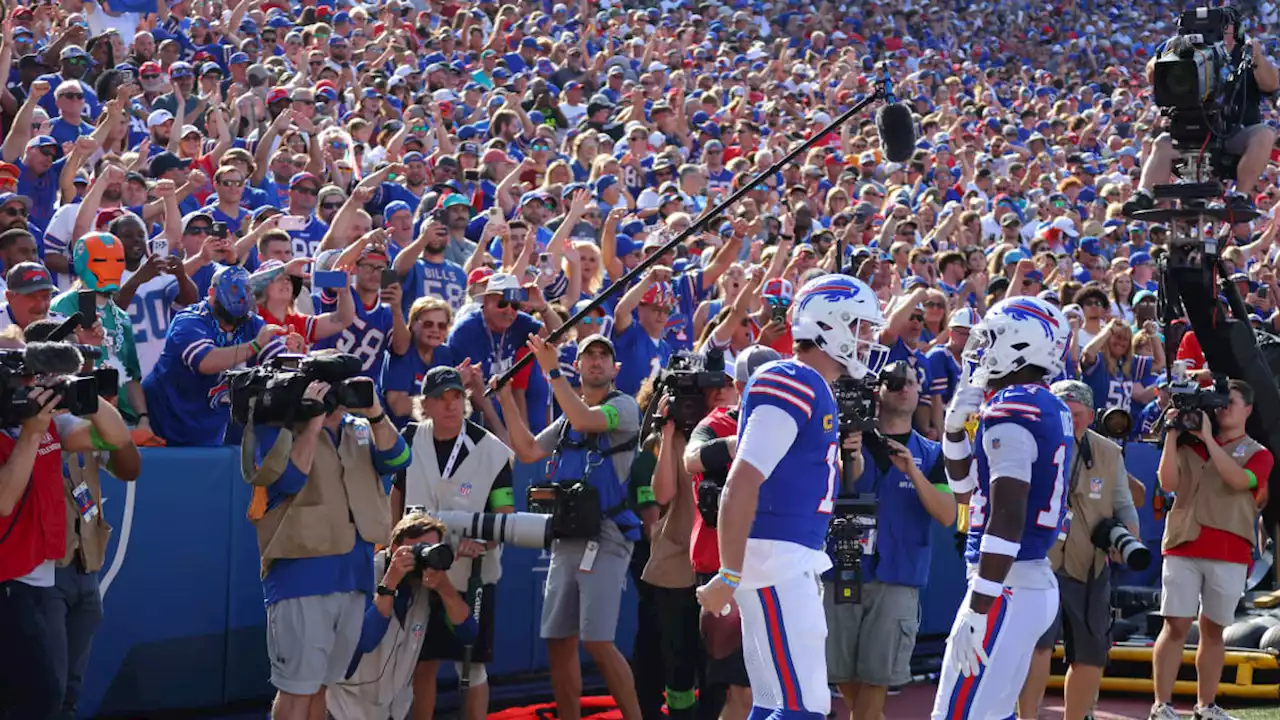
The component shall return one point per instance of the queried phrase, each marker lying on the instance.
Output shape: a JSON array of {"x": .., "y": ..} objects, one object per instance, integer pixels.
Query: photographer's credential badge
[{"x": 87, "y": 508}]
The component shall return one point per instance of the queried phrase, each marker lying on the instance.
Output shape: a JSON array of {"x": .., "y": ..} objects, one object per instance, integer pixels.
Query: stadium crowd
[{"x": 475, "y": 172}]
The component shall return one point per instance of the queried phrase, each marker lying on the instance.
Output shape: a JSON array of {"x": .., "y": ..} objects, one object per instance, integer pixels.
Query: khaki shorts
[
  {"x": 311, "y": 640},
  {"x": 1195, "y": 586},
  {"x": 871, "y": 642}
]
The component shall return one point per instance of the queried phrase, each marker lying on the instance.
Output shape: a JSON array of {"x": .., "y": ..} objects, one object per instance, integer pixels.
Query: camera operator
[
  {"x": 320, "y": 504},
  {"x": 1098, "y": 491},
  {"x": 33, "y": 537},
  {"x": 1247, "y": 136},
  {"x": 710, "y": 452},
  {"x": 668, "y": 572},
  {"x": 869, "y": 643},
  {"x": 1208, "y": 541},
  {"x": 458, "y": 466},
  {"x": 591, "y": 445},
  {"x": 379, "y": 682}
]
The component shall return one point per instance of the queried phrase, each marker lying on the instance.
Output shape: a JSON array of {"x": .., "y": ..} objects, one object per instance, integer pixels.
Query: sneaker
[
  {"x": 1141, "y": 200},
  {"x": 1163, "y": 711},
  {"x": 1210, "y": 712}
]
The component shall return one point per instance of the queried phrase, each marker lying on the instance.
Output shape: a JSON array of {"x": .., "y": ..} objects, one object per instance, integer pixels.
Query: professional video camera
[
  {"x": 573, "y": 507},
  {"x": 851, "y": 534},
  {"x": 856, "y": 401},
  {"x": 59, "y": 360},
  {"x": 1193, "y": 402},
  {"x": 1111, "y": 534},
  {"x": 278, "y": 387},
  {"x": 685, "y": 379},
  {"x": 1191, "y": 74}
]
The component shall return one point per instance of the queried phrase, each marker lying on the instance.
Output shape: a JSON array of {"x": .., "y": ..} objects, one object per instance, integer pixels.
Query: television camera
[
  {"x": 54, "y": 366},
  {"x": 273, "y": 393},
  {"x": 1194, "y": 403},
  {"x": 685, "y": 381},
  {"x": 851, "y": 534}
]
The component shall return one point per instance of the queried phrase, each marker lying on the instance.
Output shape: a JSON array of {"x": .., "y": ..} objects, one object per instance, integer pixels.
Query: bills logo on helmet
[{"x": 1027, "y": 311}]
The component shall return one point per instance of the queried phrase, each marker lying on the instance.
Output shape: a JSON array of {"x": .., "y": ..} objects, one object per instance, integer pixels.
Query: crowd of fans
[{"x": 475, "y": 172}]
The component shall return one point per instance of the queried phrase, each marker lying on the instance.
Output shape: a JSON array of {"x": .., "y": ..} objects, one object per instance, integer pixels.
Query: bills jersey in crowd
[
  {"x": 367, "y": 337},
  {"x": 1035, "y": 409},
  {"x": 796, "y": 499}
]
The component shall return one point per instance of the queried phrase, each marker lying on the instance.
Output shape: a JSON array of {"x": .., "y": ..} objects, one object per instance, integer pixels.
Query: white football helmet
[
  {"x": 1017, "y": 332},
  {"x": 841, "y": 315}
]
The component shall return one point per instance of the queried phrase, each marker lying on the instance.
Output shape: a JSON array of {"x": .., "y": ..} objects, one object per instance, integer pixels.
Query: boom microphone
[
  {"x": 45, "y": 358},
  {"x": 897, "y": 130}
]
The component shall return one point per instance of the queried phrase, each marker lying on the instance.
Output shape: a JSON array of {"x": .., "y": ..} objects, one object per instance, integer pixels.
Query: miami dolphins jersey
[
  {"x": 1041, "y": 413},
  {"x": 796, "y": 500}
]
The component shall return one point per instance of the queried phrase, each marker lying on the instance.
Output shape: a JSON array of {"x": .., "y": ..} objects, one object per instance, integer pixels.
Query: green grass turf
[{"x": 1256, "y": 713}]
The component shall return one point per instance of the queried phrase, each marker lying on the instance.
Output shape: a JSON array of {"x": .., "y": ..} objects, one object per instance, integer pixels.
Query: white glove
[
  {"x": 965, "y": 644},
  {"x": 965, "y": 402}
]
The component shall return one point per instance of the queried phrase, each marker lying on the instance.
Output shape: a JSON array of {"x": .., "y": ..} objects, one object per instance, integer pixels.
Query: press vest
[
  {"x": 87, "y": 541},
  {"x": 35, "y": 531},
  {"x": 669, "y": 541},
  {"x": 1204, "y": 500},
  {"x": 342, "y": 496},
  {"x": 424, "y": 486},
  {"x": 904, "y": 530},
  {"x": 382, "y": 685},
  {"x": 1091, "y": 500}
]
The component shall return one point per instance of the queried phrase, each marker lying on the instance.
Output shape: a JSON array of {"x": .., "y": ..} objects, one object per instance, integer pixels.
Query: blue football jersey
[
  {"x": 1048, "y": 420},
  {"x": 796, "y": 500},
  {"x": 368, "y": 337},
  {"x": 1116, "y": 391}
]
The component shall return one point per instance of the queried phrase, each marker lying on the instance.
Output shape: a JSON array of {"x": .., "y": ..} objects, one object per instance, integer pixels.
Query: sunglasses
[
  {"x": 198, "y": 230},
  {"x": 231, "y": 183},
  {"x": 331, "y": 206},
  {"x": 313, "y": 192},
  {"x": 72, "y": 96},
  {"x": 916, "y": 318},
  {"x": 433, "y": 325},
  {"x": 937, "y": 303},
  {"x": 504, "y": 304},
  {"x": 150, "y": 76},
  {"x": 593, "y": 321},
  {"x": 15, "y": 211},
  {"x": 49, "y": 152}
]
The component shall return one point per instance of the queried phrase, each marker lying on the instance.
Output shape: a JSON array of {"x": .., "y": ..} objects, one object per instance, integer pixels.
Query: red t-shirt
[
  {"x": 704, "y": 547},
  {"x": 304, "y": 325},
  {"x": 1215, "y": 544}
]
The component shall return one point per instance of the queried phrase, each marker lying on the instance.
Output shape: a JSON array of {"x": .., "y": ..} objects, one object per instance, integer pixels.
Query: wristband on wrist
[
  {"x": 732, "y": 581},
  {"x": 990, "y": 588},
  {"x": 953, "y": 450},
  {"x": 254, "y": 347},
  {"x": 554, "y": 374},
  {"x": 377, "y": 419},
  {"x": 964, "y": 485},
  {"x": 993, "y": 545}
]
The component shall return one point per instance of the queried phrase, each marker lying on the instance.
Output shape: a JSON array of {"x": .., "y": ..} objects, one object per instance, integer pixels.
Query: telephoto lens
[{"x": 1111, "y": 534}]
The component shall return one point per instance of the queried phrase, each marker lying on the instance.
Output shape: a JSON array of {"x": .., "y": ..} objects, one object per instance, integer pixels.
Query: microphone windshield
[
  {"x": 897, "y": 130},
  {"x": 43, "y": 358}
]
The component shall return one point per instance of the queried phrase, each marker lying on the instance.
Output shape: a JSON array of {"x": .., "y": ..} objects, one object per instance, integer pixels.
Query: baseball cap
[
  {"x": 1073, "y": 390},
  {"x": 1140, "y": 258},
  {"x": 965, "y": 317},
  {"x": 6, "y": 198},
  {"x": 158, "y": 118},
  {"x": 440, "y": 380},
  {"x": 596, "y": 339},
  {"x": 28, "y": 277},
  {"x": 72, "y": 51},
  {"x": 1091, "y": 245},
  {"x": 751, "y": 359},
  {"x": 394, "y": 207},
  {"x": 778, "y": 288},
  {"x": 164, "y": 162},
  {"x": 1065, "y": 225},
  {"x": 301, "y": 177}
]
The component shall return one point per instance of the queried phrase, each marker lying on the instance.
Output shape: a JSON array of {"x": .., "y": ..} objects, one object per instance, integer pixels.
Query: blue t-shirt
[
  {"x": 797, "y": 499},
  {"x": 41, "y": 189},
  {"x": 65, "y": 132},
  {"x": 187, "y": 407},
  {"x": 237, "y": 226},
  {"x": 404, "y": 373},
  {"x": 446, "y": 280},
  {"x": 640, "y": 356},
  {"x": 1047, "y": 418}
]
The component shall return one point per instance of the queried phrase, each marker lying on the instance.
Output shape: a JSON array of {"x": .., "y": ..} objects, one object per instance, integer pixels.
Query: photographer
[
  {"x": 707, "y": 457},
  {"x": 379, "y": 682},
  {"x": 1208, "y": 540},
  {"x": 869, "y": 643},
  {"x": 33, "y": 533},
  {"x": 1247, "y": 136},
  {"x": 1098, "y": 491},
  {"x": 320, "y": 504},
  {"x": 458, "y": 466},
  {"x": 591, "y": 446}
]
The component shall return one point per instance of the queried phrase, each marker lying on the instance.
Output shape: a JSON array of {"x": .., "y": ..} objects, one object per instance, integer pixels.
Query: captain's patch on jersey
[{"x": 827, "y": 422}]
